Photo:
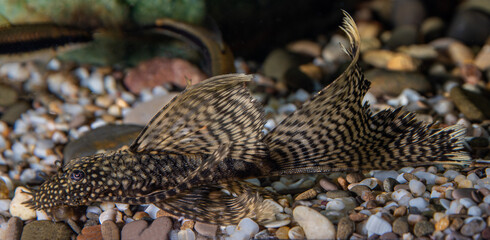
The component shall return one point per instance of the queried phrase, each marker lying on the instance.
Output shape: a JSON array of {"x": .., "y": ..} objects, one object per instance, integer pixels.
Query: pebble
[
  {"x": 337, "y": 194},
  {"x": 469, "y": 26},
  {"x": 377, "y": 225},
  {"x": 416, "y": 187},
  {"x": 473, "y": 227},
  {"x": 419, "y": 203},
  {"x": 389, "y": 184},
  {"x": 282, "y": 232},
  {"x": 108, "y": 215},
  {"x": 472, "y": 105},
  {"x": 158, "y": 230},
  {"x": 393, "y": 83},
  {"x": 46, "y": 229},
  {"x": 14, "y": 228},
  {"x": 142, "y": 113},
  {"x": 206, "y": 229},
  {"x": 277, "y": 223},
  {"x": 110, "y": 231},
  {"x": 400, "y": 226},
  {"x": 247, "y": 227},
  {"x": 18, "y": 209},
  {"x": 345, "y": 228},
  {"x": 423, "y": 228},
  {"x": 327, "y": 185},
  {"x": 186, "y": 234},
  {"x": 91, "y": 233},
  {"x": 296, "y": 232},
  {"x": 314, "y": 224}
]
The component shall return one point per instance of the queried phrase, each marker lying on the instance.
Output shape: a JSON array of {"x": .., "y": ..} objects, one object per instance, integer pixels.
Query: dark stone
[
  {"x": 345, "y": 228},
  {"x": 423, "y": 228},
  {"x": 389, "y": 184},
  {"x": 474, "y": 106},
  {"x": 49, "y": 230},
  {"x": 470, "y": 26},
  {"x": 408, "y": 12},
  {"x": 403, "y": 36},
  {"x": 400, "y": 225},
  {"x": 12, "y": 113}
]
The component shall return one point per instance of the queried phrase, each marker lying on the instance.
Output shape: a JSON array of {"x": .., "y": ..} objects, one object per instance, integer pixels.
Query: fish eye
[{"x": 77, "y": 175}]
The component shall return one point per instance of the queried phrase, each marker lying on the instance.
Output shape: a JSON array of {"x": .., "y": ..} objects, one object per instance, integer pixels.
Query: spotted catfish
[{"x": 191, "y": 158}]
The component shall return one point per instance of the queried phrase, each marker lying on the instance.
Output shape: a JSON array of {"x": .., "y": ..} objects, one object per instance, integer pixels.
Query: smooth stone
[
  {"x": 393, "y": 83},
  {"x": 354, "y": 177},
  {"x": 345, "y": 228},
  {"x": 416, "y": 187},
  {"x": 14, "y": 228},
  {"x": 8, "y": 96},
  {"x": 430, "y": 178},
  {"x": 186, "y": 234},
  {"x": 383, "y": 175},
  {"x": 388, "y": 236},
  {"x": 473, "y": 227},
  {"x": 402, "y": 36},
  {"x": 400, "y": 225},
  {"x": 47, "y": 229},
  {"x": 108, "y": 215},
  {"x": 110, "y": 231},
  {"x": 158, "y": 230},
  {"x": 282, "y": 232},
  {"x": 327, "y": 185},
  {"x": 206, "y": 229},
  {"x": 408, "y": 12},
  {"x": 474, "y": 211},
  {"x": 337, "y": 194},
  {"x": 277, "y": 223},
  {"x": 108, "y": 137},
  {"x": 13, "y": 112},
  {"x": 158, "y": 71},
  {"x": 432, "y": 28},
  {"x": 248, "y": 226},
  {"x": 314, "y": 224},
  {"x": 377, "y": 225},
  {"x": 359, "y": 189},
  {"x": 143, "y": 112},
  {"x": 18, "y": 209},
  {"x": 470, "y": 27},
  {"x": 296, "y": 232},
  {"x": 474, "y": 106},
  {"x": 419, "y": 203},
  {"x": 463, "y": 193},
  {"x": 423, "y": 228},
  {"x": 91, "y": 232}
]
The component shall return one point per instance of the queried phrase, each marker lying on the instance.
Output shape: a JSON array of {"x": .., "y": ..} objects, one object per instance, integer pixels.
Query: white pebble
[
  {"x": 314, "y": 224},
  {"x": 159, "y": 91},
  {"x": 467, "y": 202},
  {"x": 416, "y": 187},
  {"x": 474, "y": 211},
  {"x": 369, "y": 182},
  {"x": 301, "y": 95},
  {"x": 455, "y": 207},
  {"x": 429, "y": 177},
  {"x": 18, "y": 150},
  {"x": 186, "y": 234},
  {"x": 110, "y": 84},
  {"x": 98, "y": 123},
  {"x": 401, "y": 179},
  {"x": 107, "y": 205},
  {"x": 473, "y": 177},
  {"x": 42, "y": 215},
  {"x": 419, "y": 203},
  {"x": 276, "y": 224},
  {"x": 287, "y": 108},
  {"x": 95, "y": 83},
  {"x": 94, "y": 209},
  {"x": 122, "y": 206},
  {"x": 54, "y": 64},
  {"x": 399, "y": 194},
  {"x": 335, "y": 205},
  {"x": 247, "y": 226},
  {"x": 18, "y": 209},
  {"x": 110, "y": 214},
  {"x": 445, "y": 203},
  {"x": 435, "y": 194},
  {"x": 152, "y": 211},
  {"x": 377, "y": 225}
]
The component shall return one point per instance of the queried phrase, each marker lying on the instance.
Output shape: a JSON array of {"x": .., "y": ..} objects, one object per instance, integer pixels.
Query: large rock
[
  {"x": 46, "y": 230},
  {"x": 314, "y": 224}
]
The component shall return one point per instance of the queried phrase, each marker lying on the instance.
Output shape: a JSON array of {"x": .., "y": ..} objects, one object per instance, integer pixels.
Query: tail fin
[{"x": 334, "y": 131}]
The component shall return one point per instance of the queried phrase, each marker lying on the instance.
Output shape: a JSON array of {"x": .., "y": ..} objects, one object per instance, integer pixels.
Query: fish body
[{"x": 192, "y": 156}]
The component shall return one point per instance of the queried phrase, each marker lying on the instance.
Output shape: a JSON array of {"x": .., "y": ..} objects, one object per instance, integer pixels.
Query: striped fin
[
  {"x": 334, "y": 131},
  {"x": 222, "y": 204},
  {"x": 216, "y": 111}
]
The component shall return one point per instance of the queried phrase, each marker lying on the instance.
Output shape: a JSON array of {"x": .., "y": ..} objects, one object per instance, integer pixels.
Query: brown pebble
[
  {"x": 140, "y": 215},
  {"x": 401, "y": 186},
  {"x": 423, "y": 228},
  {"x": 342, "y": 182},
  {"x": 485, "y": 234},
  {"x": 400, "y": 211},
  {"x": 282, "y": 232},
  {"x": 337, "y": 194},
  {"x": 409, "y": 176},
  {"x": 442, "y": 224},
  {"x": 158, "y": 230},
  {"x": 345, "y": 228},
  {"x": 91, "y": 233},
  {"x": 133, "y": 230},
  {"x": 327, "y": 185},
  {"x": 162, "y": 213},
  {"x": 484, "y": 191},
  {"x": 14, "y": 228},
  {"x": 367, "y": 196},
  {"x": 477, "y": 196},
  {"x": 388, "y": 236},
  {"x": 371, "y": 204},
  {"x": 357, "y": 217},
  {"x": 208, "y": 230},
  {"x": 110, "y": 231},
  {"x": 359, "y": 189},
  {"x": 187, "y": 224},
  {"x": 400, "y": 225},
  {"x": 456, "y": 224},
  {"x": 463, "y": 193},
  {"x": 354, "y": 177},
  {"x": 308, "y": 194}
]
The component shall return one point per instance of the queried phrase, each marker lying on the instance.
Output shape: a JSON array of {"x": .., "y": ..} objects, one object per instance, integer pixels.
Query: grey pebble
[
  {"x": 473, "y": 227},
  {"x": 327, "y": 185},
  {"x": 359, "y": 189},
  {"x": 8, "y": 96},
  {"x": 345, "y": 228},
  {"x": 423, "y": 228},
  {"x": 400, "y": 225},
  {"x": 463, "y": 193}
]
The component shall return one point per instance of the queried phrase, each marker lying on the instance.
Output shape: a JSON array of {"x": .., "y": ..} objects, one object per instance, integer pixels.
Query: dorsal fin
[{"x": 217, "y": 111}]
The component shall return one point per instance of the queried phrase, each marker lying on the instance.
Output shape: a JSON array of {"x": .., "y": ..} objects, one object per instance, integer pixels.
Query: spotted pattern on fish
[{"x": 191, "y": 158}]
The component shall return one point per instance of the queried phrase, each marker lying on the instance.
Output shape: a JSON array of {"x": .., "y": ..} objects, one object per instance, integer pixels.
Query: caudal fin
[{"x": 334, "y": 131}]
